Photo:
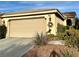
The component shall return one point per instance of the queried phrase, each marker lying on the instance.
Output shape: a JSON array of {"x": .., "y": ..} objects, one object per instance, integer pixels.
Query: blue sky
[{"x": 63, "y": 6}]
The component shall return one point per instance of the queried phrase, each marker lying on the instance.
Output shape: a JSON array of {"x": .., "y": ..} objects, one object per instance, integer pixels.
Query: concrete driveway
[{"x": 15, "y": 47}]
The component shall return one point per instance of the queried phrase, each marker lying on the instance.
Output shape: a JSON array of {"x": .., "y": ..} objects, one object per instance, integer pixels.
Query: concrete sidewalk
[
  {"x": 58, "y": 42},
  {"x": 15, "y": 47}
]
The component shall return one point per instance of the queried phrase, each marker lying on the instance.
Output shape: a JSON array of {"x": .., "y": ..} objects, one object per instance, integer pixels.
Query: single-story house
[{"x": 28, "y": 23}]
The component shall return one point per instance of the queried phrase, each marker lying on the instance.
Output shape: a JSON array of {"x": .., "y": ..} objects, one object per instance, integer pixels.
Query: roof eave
[{"x": 41, "y": 12}]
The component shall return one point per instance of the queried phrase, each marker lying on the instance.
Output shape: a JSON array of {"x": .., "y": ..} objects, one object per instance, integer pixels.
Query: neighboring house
[
  {"x": 70, "y": 18},
  {"x": 28, "y": 23}
]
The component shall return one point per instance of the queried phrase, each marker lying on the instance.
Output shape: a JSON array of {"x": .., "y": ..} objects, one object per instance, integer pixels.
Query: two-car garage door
[{"x": 26, "y": 27}]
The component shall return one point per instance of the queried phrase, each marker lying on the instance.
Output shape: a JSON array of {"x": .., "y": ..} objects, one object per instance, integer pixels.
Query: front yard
[
  {"x": 52, "y": 51},
  {"x": 70, "y": 47}
]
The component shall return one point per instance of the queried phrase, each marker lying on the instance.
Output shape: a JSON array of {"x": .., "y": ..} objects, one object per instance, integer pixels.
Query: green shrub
[
  {"x": 67, "y": 53},
  {"x": 71, "y": 37},
  {"x": 41, "y": 39},
  {"x": 3, "y": 31},
  {"x": 52, "y": 37},
  {"x": 60, "y": 36}
]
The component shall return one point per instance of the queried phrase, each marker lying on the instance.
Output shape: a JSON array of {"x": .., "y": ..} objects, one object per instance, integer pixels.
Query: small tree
[
  {"x": 3, "y": 31},
  {"x": 76, "y": 23}
]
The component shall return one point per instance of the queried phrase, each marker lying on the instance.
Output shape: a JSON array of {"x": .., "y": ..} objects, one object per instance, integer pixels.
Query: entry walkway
[{"x": 15, "y": 47}]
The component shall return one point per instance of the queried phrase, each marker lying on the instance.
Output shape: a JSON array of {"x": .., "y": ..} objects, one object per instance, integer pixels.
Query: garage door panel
[{"x": 27, "y": 27}]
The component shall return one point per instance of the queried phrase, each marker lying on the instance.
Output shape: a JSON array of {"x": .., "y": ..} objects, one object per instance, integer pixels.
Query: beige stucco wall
[{"x": 59, "y": 20}]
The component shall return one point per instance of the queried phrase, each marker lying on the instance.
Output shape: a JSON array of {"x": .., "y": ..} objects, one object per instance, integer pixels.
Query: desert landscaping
[{"x": 67, "y": 49}]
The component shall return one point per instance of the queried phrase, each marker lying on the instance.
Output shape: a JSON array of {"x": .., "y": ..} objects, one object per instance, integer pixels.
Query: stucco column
[
  {"x": 65, "y": 22},
  {"x": 54, "y": 27},
  {"x": 73, "y": 21}
]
